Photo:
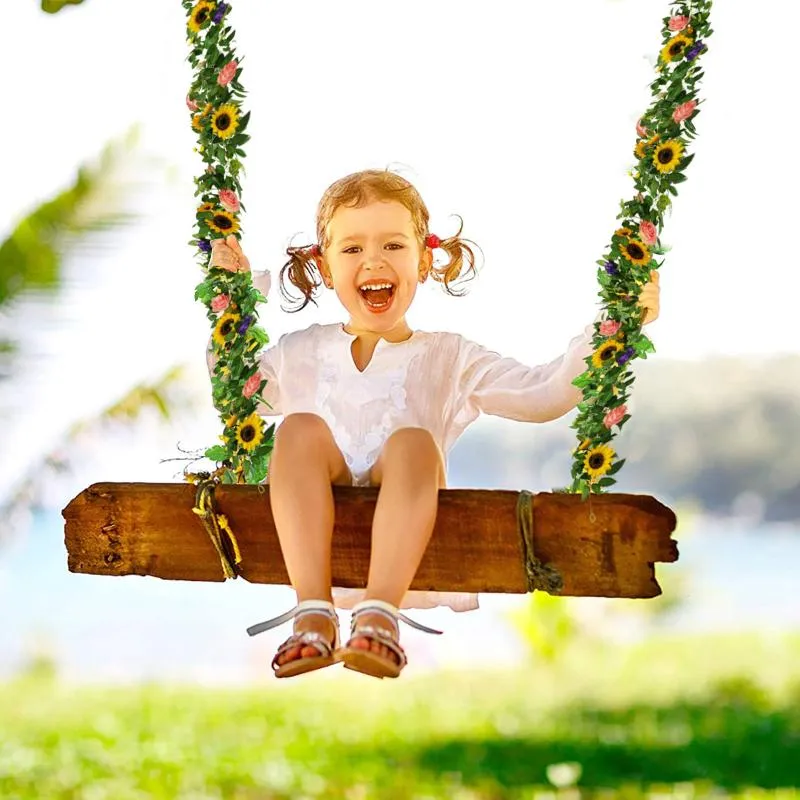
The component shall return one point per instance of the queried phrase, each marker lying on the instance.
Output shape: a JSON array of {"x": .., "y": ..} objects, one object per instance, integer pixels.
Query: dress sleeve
[{"x": 504, "y": 387}]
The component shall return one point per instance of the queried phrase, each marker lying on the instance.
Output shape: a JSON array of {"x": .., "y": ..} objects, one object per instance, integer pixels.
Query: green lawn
[{"x": 684, "y": 719}]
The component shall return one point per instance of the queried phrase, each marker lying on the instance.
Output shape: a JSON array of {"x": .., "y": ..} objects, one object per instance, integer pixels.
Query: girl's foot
[
  {"x": 311, "y": 646},
  {"x": 374, "y": 648},
  {"x": 308, "y": 623}
]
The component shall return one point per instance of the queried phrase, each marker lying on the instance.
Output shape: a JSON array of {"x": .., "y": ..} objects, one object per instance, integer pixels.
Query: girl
[{"x": 372, "y": 402}]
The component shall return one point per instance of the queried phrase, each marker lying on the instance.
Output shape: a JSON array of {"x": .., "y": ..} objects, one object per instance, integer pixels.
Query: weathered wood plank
[{"x": 606, "y": 547}]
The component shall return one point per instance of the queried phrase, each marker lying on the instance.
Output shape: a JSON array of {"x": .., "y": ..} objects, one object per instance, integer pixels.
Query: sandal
[
  {"x": 366, "y": 661},
  {"x": 324, "y": 647}
]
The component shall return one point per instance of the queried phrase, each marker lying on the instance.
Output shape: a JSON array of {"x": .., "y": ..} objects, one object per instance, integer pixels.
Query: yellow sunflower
[
  {"x": 623, "y": 232},
  {"x": 202, "y": 209},
  {"x": 636, "y": 252},
  {"x": 200, "y": 16},
  {"x": 582, "y": 446},
  {"x": 598, "y": 461},
  {"x": 606, "y": 353},
  {"x": 675, "y": 47},
  {"x": 639, "y": 150},
  {"x": 223, "y": 328},
  {"x": 197, "y": 122},
  {"x": 668, "y": 155},
  {"x": 225, "y": 121},
  {"x": 223, "y": 222},
  {"x": 250, "y": 432}
]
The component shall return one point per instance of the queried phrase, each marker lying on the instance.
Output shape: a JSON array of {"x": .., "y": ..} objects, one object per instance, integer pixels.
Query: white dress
[{"x": 437, "y": 381}]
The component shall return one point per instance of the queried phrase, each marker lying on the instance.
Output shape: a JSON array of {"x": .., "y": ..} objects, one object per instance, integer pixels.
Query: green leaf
[{"x": 217, "y": 453}]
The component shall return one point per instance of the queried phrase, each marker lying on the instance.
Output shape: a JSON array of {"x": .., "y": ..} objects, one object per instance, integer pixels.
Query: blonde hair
[{"x": 301, "y": 271}]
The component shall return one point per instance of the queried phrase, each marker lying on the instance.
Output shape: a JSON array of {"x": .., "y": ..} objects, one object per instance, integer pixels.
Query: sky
[{"x": 519, "y": 119}]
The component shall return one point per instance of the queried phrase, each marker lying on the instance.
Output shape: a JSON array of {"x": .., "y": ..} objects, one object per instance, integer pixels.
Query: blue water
[{"x": 733, "y": 576}]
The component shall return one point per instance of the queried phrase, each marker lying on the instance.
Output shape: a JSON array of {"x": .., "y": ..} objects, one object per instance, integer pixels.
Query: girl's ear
[
  {"x": 425, "y": 264},
  {"x": 324, "y": 272}
]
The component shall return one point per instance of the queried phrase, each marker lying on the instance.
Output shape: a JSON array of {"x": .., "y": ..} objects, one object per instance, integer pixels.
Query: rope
[
  {"x": 218, "y": 528},
  {"x": 540, "y": 576}
]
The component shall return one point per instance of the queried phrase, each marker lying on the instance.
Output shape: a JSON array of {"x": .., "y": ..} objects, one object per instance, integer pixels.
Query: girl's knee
[
  {"x": 412, "y": 443},
  {"x": 307, "y": 430}
]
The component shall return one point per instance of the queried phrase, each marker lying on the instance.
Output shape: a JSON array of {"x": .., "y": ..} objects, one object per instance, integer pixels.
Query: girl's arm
[
  {"x": 268, "y": 367},
  {"x": 504, "y": 387}
]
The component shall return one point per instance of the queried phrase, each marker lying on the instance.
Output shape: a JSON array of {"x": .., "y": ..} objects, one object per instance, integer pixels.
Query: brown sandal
[
  {"x": 324, "y": 647},
  {"x": 366, "y": 661}
]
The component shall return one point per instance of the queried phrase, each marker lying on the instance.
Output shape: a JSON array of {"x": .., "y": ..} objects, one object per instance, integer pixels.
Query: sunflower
[
  {"x": 623, "y": 232},
  {"x": 582, "y": 446},
  {"x": 250, "y": 432},
  {"x": 675, "y": 47},
  {"x": 223, "y": 222},
  {"x": 225, "y": 121},
  {"x": 606, "y": 353},
  {"x": 639, "y": 150},
  {"x": 197, "y": 123},
  {"x": 200, "y": 16},
  {"x": 636, "y": 252},
  {"x": 202, "y": 209},
  {"x": 668, "y": 155},
  {"x": 598, "y": 461},
  {"x": 223, "y": 328}
]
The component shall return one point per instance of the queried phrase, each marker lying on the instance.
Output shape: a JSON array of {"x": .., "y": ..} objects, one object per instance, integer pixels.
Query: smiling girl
[{"x": 371, "y": 402}]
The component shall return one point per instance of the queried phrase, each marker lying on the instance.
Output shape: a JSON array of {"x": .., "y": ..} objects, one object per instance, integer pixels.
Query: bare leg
[
  {"x": 305, "y": 463},
  {"x": 410, "y": 473}
]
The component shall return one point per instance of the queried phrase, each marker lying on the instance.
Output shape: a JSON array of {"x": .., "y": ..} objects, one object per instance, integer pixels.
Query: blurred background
[{"x": 521, "y": 119}]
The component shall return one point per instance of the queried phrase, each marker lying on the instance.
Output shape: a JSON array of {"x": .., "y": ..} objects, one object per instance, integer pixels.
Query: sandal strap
[
  {"x": 322, "y": 607},
  {"x": 390, "y": 612}
]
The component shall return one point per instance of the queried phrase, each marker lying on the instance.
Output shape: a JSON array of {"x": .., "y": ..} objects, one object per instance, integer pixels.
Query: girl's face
[{"x": 374, "y": 263}]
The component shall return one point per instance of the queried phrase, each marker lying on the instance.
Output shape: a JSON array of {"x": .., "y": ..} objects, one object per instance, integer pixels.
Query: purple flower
[
  {"x": 695, "y": 50},
  {"x": 611, "y": 268},
  {"x": 204, "y": 245},
  {"x": 245, "y": 324},
  {"x": 625, "y": 355},
  {"x": 219, "y": 13}
]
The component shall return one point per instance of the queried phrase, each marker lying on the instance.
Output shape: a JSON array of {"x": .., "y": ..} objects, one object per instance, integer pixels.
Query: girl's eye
[
  {"x": 395, "y": 246},
  {"x": 351, "y": 249}
]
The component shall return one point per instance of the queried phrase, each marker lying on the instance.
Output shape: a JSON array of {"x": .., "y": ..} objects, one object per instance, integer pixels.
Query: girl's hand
[
  {"x": 649, "y": 298},
  {"x": 227, "y": 254}
]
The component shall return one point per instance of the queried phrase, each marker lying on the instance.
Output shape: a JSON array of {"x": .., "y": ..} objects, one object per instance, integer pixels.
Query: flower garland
[
  {"x": 662, "y": 135},
  {"x": 214, "y": 101},
  {"x": 230, "y": 298}
]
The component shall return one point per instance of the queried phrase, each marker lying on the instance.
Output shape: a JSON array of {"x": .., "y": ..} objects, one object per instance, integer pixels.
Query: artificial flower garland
[
  {"x": 231, "y": 299},
  {"x": 214, "y": 101},
  {"x": 662, "y": 134}
]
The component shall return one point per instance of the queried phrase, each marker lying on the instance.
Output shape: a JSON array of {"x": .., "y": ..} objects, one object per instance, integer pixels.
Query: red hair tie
[
  {"x": 433, "y": 241},
  {"x": 315, "y": 252}
]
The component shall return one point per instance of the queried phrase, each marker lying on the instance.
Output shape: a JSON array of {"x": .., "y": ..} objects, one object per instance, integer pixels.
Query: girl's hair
[{"x": 356, "y": 191}]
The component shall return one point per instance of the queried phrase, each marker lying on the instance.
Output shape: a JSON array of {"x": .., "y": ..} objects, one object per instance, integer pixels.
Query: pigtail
[
  {"x": 461, "y": 264},
  {"x": 302, "y": 272}
]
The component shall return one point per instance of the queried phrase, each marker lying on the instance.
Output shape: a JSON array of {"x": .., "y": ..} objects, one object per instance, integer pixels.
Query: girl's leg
[
  {"x": 305, "y": 463},
  {"x": 410, "y": 473}
]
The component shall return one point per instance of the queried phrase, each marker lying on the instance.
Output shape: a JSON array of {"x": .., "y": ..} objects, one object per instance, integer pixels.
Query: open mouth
[{"x": 377, "y": 296}]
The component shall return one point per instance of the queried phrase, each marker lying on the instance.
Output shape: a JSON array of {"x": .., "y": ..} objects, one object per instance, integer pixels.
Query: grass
[{"x": 684, "y": 718}]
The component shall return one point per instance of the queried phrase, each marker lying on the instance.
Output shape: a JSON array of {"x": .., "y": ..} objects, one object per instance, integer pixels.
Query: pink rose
[
  {"x": 641, "y": 131},
  {"x": 648, "y": 232},
  {"x": 220, "y": 303},
  {"x": 252, "y": 384},
  {"x": 684, "y": 111},
  {"x": 678, "y": 23},
  {"x": 609, "y": 327},
  {"x": 614, "y": 417},
  {"x": 228, "y": 200},
  {"x": 227, "y": 73},
  {"x": 191, "y": 105}
]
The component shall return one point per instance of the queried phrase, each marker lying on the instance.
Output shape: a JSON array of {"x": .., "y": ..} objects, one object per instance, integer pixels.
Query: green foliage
[
  {"x": 667, "y": 718},
  {"x": 54, "y": 6}
]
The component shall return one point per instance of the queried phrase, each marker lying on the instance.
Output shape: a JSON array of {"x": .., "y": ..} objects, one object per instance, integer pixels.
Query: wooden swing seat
[{"x": 604, "y": 547}]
